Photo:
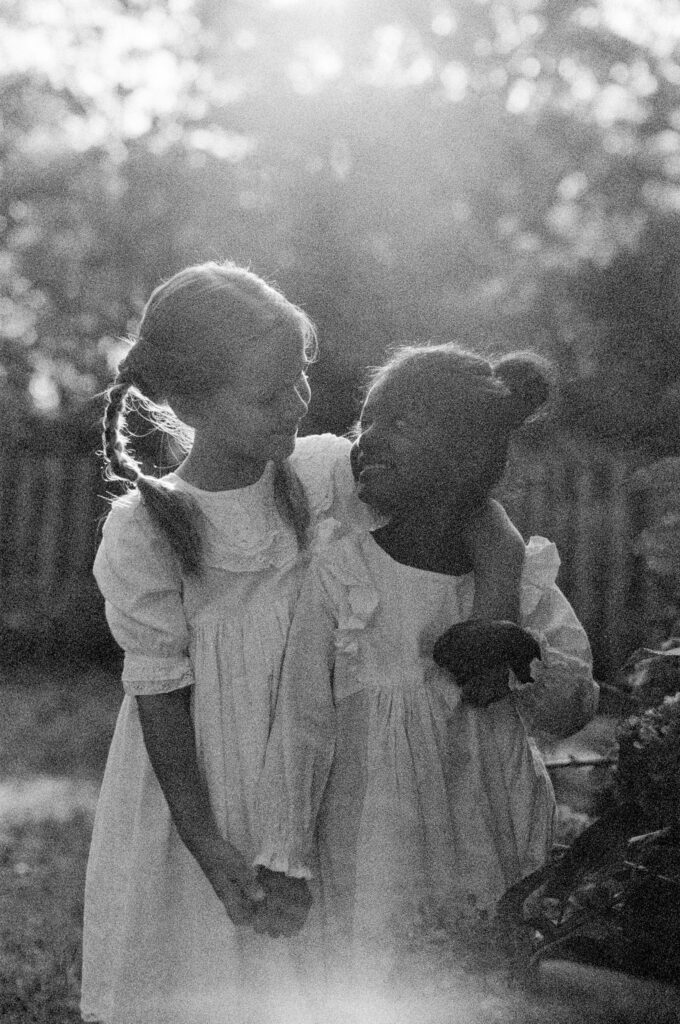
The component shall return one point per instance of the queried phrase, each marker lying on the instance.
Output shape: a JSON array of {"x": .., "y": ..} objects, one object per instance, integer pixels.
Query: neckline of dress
[
  {"x": 413, "y": 568},
  {"x": 249, "y": 490}
]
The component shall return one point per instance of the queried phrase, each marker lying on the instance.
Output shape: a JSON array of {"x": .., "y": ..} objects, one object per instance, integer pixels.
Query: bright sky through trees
[{"x": 448, "y": 153}]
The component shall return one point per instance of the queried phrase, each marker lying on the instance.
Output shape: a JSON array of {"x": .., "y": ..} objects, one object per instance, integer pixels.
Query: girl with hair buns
[
  {"x": 200, "y": 571},
  {"x": 401, "y": 745}
]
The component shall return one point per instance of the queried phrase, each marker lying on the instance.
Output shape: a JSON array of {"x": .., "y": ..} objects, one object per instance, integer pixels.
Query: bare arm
[
  {"x": 497, "y": 551},
  {"x": 498, "y": 558},
  {"x": 169, "y": 739}
]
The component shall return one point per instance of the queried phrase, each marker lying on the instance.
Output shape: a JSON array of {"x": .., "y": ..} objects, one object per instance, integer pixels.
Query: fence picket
[
  {"x": 51, "y": 527},
  {"x": 50, "y": 508},
  {"x": 25, "y": 501},
  {"x": 82, "y": 516},
  {"x": 582, "y": 557},
  {"x": 620, "y": 575}
]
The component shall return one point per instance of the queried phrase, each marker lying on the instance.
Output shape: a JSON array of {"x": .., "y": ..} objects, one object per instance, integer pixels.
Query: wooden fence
[
  {"x": 586, "y": 505},
  {"x": 51, "y": 507}
]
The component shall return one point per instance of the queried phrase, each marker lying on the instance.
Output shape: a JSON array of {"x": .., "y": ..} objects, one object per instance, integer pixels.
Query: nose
[
  {"x": 368, "y": 440},
  {"x": 295, "y": 404}
]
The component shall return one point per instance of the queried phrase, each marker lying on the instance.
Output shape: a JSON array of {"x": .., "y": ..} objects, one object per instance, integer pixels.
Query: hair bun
[{"x": 528, "y": 378}]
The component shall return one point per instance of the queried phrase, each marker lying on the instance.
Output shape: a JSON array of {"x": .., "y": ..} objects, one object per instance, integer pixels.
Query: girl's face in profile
[
  {"x": 405, "y": 456},
  {"x": 255, "y": 415}
]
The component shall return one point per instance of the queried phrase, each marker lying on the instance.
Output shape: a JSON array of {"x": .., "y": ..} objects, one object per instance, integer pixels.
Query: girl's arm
[
  {"x": 169, "y": 738},
  {"x": 563, "y": 696},
  {"x": 497, "y": 551},
  {"x": 302, "y": 740},
  {"x": 141, "y": 584}
]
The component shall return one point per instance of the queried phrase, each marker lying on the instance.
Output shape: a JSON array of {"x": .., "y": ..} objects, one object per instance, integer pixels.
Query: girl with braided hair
[
  {"x": 200, "y": 571},
  {"x": 401, "y": 742}
]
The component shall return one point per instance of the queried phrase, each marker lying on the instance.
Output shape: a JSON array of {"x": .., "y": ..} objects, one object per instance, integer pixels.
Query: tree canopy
[{"x": 502, "y": 172}]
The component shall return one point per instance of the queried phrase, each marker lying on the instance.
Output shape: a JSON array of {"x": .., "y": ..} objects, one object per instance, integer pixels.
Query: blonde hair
[{"x": 174, "y": 354}]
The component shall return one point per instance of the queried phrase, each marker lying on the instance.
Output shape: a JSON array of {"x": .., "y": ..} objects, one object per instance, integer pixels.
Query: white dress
[
  {"x": 422, "y": 801},
  {"x": 158, "y": 946}
]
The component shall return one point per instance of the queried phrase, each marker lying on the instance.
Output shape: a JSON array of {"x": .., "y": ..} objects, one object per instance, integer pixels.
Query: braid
[
  {"x": 178, "y": 517},
  {"x": 118, "y": 463},
  {"x": 194, "y": 329},
  {"x": 291, "y": 500},
  {"x": 173, "y": 512}
]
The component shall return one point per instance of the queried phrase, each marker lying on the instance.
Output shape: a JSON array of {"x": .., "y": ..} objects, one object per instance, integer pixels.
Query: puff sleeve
[
  {"x": 563, "y": 696},
  {"x": 322, "y": 463},
  {"x": 142, "y": 589}
]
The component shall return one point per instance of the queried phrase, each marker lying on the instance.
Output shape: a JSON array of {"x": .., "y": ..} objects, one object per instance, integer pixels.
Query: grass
[
  {"x": 41, "y": 884},
  {"x": 56, "y": 722}
]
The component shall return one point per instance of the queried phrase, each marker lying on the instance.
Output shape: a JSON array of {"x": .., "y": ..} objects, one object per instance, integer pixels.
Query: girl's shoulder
[
  {"x": 127, "y": 515},
  {"x": 126, "y": 512},
  {"x": 129, "y": 538},
  {"x": 321, "y": 461}
]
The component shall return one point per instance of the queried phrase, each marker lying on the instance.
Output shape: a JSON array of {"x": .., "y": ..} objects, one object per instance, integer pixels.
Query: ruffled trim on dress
[
  {"x": 541, "y": 565},
  {"x": 559, "y": 709},
  {"x": 319, "y": 460},
  {"x": 151, "y": 674},
  {"x": 288, "y": 863},
  {"x": 242, "y": 529},
  {"x": 348, "y": 581},
  {"x": 323, "y": 465}
]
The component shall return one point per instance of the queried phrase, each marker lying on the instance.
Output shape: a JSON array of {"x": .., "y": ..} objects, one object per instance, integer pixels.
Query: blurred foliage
[
  {"x": 658, "y": 545},
  {"x": 504, "y": 173},
  {"x": 604, "y": 898}
]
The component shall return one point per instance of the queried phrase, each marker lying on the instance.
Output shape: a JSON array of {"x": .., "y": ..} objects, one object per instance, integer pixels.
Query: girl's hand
[
  {"x": 236, "y": 885},
  {"x": 285, "y": 908},
  {"x": 480, "y": 653},
  {"x": 483, "y": 689}
]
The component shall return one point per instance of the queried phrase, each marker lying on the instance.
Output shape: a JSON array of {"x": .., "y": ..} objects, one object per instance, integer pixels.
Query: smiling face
[
  {"x": 254, "y": 416},
  {"x": 257, "y": 414},
  {"x": 407, "y": 456}
]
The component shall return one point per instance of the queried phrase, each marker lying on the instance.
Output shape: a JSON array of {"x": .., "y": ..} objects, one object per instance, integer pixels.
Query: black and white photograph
[{"x": 340, "y": 511}]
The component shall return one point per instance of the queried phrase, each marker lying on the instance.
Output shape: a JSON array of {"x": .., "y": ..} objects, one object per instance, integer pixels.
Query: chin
[
  {"x": 375, "y": 502},
  {"x": 282, "y": 447}
]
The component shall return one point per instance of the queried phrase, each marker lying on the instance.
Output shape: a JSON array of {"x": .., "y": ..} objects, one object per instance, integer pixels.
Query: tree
[{"x": 402, "y": 169}]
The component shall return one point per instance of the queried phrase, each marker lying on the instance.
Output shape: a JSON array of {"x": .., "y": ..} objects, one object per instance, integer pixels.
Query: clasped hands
[
  {"x": 284, "y": 908},
  {"x": 480, "y": 653}
]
